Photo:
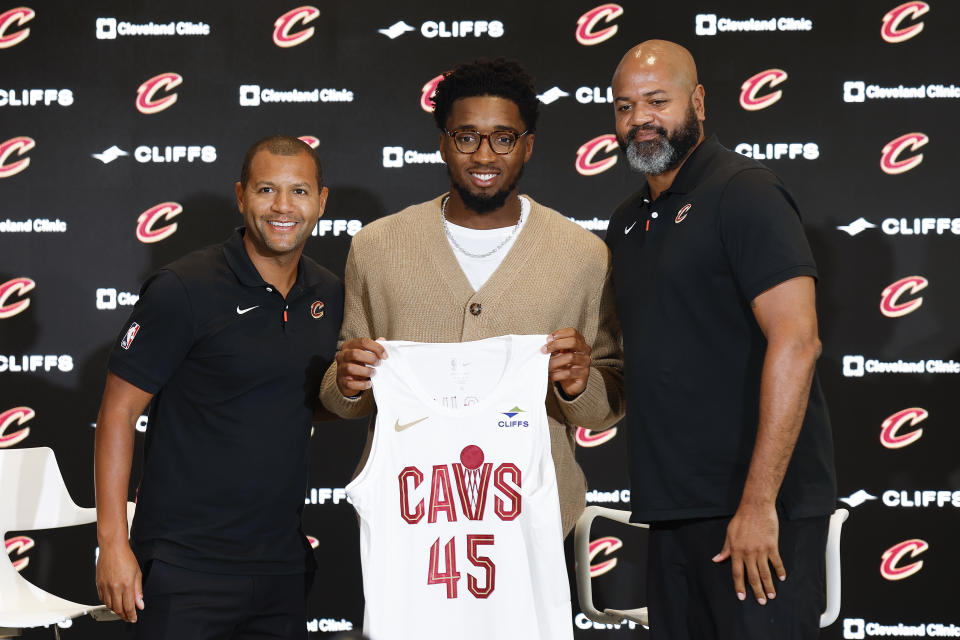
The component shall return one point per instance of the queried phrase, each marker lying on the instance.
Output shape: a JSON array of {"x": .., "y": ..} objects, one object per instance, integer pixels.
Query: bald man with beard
[{"x": 732, "y": 454}]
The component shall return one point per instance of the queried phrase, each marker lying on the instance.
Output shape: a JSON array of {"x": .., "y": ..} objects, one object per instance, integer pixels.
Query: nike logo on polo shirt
[
  {"x": 628, "y": 229},
  {"x": 240, "y": 311},
  {"x": 401, "y": 427}
]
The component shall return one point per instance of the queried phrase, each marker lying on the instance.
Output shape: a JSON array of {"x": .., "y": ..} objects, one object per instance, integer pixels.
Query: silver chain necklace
[{"x": 446, "y": 228}]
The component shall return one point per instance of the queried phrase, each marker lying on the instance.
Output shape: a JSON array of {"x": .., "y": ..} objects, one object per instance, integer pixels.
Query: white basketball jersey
[{"x": 460, "y": 533}]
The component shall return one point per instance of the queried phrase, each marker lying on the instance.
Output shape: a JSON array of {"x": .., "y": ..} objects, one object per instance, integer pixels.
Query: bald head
[{"x": 667, "y": 60}]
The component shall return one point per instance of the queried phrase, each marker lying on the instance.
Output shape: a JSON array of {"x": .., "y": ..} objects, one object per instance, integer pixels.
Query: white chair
[
  {"x": 35, "y": 497},
  {"x": 581, "y": 543}
]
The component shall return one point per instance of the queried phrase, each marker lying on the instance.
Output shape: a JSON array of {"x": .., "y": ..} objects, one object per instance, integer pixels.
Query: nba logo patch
[{"x": 130, "y": 335}]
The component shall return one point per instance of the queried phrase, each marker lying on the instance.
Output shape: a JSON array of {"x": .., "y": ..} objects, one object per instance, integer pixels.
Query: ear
[
  {"x": 323, "y": 200},
  {"x": 239, "y": 189},
  {"x": 698, "y": 102}
]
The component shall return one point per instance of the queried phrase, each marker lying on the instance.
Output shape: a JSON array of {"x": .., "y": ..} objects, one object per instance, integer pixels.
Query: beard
[
  {"x": 665, "y": 153},
  {"x": 483, "y": 204}
]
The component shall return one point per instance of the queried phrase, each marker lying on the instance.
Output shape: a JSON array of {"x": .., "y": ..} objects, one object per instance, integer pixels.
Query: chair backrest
[{"x": 34, "y": 495}]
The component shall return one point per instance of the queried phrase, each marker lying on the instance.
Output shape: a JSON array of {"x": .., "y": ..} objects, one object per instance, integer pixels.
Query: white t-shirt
[{"x": 478, "y": 241}]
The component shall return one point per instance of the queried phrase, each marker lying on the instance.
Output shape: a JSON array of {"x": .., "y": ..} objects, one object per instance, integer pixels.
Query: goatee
[{"x": 483, "y": 204}]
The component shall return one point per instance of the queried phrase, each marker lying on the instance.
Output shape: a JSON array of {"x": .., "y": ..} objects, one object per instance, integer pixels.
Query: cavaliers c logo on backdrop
[
  {"x": 752, "y": 86},
  {"x": 147, "y": 102},
  {"x": 19, "y": 145},
  {"x": 19, "y": 16},
  {"x": 16, "y": 286},
  {"x": 147, "y": 229},
  {"x": 893, "y": 31},
  {"x": 890, "y": 435},
  {"x": 426, "y": 93},
  {"x": 586, "y": 164},
  {"x": 588, "y": 438},
  {"x": 606, "y": 545},
  {"x": 890, "y": 304},
  {"x": 587, "y": 32},
  {"x": 890, "y": 159},
  {"x": 890, "y": 567},
  {"x": 18, "y": 416},
  {"x": 312, "y": 141},
  {"x": 282, "y": 37}
]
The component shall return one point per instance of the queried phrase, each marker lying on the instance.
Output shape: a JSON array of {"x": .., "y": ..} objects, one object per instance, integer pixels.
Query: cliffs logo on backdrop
[
  {"x": 35, "y": 97},
  {"x": 890, "y": 436},
  {"x": 587, "y": 438},
  {"x": 323, "y": 495},
  {"x": 443, "y": 29},
  {"x": 19, "y": 146},
  {"x": 893, "y": 567},
  {"x": 860, "y": 91},
  {"x": 905, "y": 226},
  {"x": 589, "y": 32},
  {"x": 329, "y": 226},
  {"x": 396, "y": 157},
  {"x": 779, "y": 150},
  {"x": 147, "y": 101},
  {"x": 18, "y": 287},
  {"x": 750, "y": 96},
  {"x": 895, "y": 30},
  {"x": 253, "y": 95},
  {"x": 109, "y": 298},
  {"x": 111, "y": 29},
  {"x": 921, "y": 498},
  {"x": 587, "y": 162},
  {"x": 34, "y": 362},
  {"x": 9, "y": 35},
  {"x": 170, "y": 154},
  {"x": 890, "y": 304},
  {"x": 709, "y": 24},
  {"x": 891, "y": 160},
  {"x": 148, "y": 230},
  {"x": 427, "y": 91},
  {"x": 284, "y": 26},
  {"x": 16, "y": 417},
  {"x": 17, "y": 547},
  {"x": 606, "y": 546},
  {"x": 583, "y": 95}
]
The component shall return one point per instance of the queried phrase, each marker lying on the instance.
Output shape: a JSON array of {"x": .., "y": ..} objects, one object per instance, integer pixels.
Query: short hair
[
  {"x": 280, "y": 146},
  {"x": 481, "y": 77}
]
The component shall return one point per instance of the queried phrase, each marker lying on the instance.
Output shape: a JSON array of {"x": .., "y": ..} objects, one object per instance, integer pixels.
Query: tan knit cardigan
[{"x": 403, "y": 282}]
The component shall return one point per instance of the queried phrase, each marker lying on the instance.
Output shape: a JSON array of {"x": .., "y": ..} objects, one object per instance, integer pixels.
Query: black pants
[
  {"x": 180, "y": 604},
  {"x": 692, "y": 598}
]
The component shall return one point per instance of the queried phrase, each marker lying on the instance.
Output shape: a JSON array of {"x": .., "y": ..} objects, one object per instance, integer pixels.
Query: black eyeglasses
[{"x": 469, "y": 140}]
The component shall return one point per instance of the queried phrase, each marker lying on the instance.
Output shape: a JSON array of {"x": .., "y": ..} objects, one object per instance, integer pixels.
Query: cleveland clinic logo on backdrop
[
  {"x": 150, "y": 93},
  {"x": 111, "y": 29},
  {"x": 150, "y": 223},
  {"x": 290, "y": 29},
  {"x": 33, "y": 225},
  {"x": 859, "y": 628},
  {"x": 253, "y": 95},
  {"x": 108, "y": 298},
  {"x": 397, "y": 157},
  {"x": 169, "y": 154},
  {"x": 709, "y": 24},
  {"x": 860, "y": 91},
  {"x": 858, "y": 366},
  {"x": 901, "y": 23},
  {"x": 15, "y": 148},
  {"x": 10, "y": 34},
  {"x": 447, "y": 29}
]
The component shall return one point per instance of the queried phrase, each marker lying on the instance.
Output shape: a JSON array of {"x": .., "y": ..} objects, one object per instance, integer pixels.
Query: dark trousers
[
  {"x": 692, "y": 598},
  {"x": 180, "y": 604}
]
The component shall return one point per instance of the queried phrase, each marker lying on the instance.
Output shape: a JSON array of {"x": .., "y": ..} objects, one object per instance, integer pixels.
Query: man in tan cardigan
[{"x": 485, "y": 261}]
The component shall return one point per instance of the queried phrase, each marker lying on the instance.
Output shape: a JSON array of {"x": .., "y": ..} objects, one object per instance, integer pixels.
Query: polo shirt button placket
[{"x": 476, "y": 308}]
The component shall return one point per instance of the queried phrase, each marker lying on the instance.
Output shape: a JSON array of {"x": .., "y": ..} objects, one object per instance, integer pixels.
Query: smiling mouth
[
  {"x": 484, "y": 178},
  {"x": 281, "y": 225}
]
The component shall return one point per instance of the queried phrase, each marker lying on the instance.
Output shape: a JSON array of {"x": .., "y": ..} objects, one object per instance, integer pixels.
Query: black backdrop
[{"x": 84, "y": 165}]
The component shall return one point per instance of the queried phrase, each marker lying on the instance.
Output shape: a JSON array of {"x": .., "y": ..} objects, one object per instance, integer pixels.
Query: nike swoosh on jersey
[
  {"x": 627, "y": 230},
  {"x": 401, "y": 427},
  {"x": 240, "y": 311}
]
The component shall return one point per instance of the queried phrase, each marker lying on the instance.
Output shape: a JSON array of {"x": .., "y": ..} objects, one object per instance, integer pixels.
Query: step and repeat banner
[{"x": 122, "y": 130}]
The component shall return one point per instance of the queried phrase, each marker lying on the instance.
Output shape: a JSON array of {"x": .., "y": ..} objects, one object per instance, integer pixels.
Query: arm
[
  {"x": 787, "y": 317},
  {"x": 588, "y": 368},
  {"x": 118, "y": 574}
]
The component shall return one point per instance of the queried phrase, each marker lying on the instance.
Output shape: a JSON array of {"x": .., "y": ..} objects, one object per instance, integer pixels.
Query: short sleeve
[
  {"x": 762, "y": 233},
  {"x": 157, "y": 336}
]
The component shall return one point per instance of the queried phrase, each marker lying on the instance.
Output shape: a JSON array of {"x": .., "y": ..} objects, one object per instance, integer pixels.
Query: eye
[
  {"x": 623, "y": 107},
  {"x": 504, "y": 139},
  {"x": 300, "y": 191},
  {"x": 265, "y": 190},
  {"x": 467, "y": 136}
]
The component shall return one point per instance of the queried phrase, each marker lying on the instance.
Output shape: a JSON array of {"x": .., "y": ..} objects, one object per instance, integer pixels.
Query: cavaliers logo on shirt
[
  {"x": 682, "y": 214},
  {"x": 316, "y": 309}
]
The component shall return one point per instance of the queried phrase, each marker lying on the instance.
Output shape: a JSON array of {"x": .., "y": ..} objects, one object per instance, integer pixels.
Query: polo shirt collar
[
  {"x": 239, "y": 262},
  {"x": 692, "y": 171}
]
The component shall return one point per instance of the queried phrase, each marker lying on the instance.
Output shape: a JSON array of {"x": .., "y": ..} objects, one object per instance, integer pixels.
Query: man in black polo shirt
[
  {"x": 228, "y": 346},
  {"x": 731, "y": 449}
]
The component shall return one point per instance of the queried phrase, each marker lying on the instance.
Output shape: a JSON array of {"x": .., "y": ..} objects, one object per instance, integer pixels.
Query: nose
[
  {"x": 639, "y": 116},
  {"x": 283, "y": 201},
  {"x": 484, "y": 153}
]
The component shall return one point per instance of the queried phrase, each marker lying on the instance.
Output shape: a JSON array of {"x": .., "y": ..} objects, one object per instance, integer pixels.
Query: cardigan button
[{"x": 475, "y": 308}]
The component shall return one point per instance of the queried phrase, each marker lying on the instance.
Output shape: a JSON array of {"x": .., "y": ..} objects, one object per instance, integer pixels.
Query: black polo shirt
[
  {"x": 685, "y": 268},
  {"x": 235, "y": 370}
]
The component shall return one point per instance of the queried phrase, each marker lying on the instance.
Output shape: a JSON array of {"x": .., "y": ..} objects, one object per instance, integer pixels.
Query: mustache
[{"x": 632, "y": 134}]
